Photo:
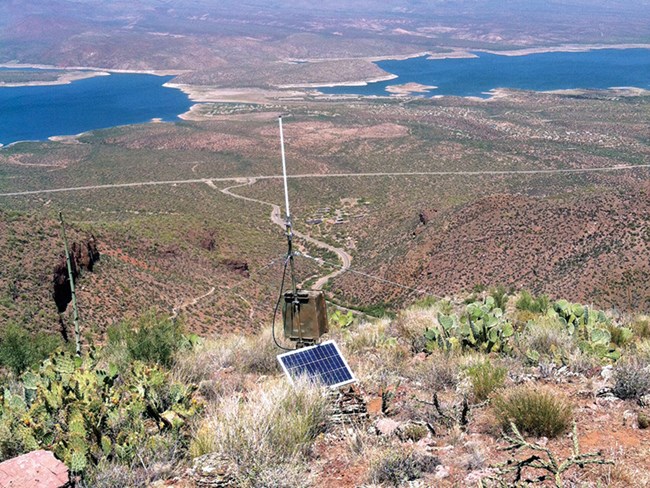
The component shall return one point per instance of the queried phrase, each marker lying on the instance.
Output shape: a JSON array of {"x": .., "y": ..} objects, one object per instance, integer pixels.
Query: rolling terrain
[
  {"x": 539, "y": 191},
  {"x": 257, "y": 43}
]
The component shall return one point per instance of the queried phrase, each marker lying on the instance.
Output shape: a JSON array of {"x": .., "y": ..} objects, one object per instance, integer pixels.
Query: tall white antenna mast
[
  {"x": 284, "y": 174},
  {"x": 287, "y": 220}
]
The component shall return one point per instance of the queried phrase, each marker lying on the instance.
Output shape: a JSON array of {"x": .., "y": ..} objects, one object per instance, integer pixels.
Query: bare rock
[
  {"x": 83, "y": 256},
  {"x": 213, "y": 471},
  {"x": 237, "y": 267},
  {"x": 425, "y": 216},
  {"x": 607, "y": 372},
  {"x": 38, "y": 469},
  {"x": 442, "y": 472},
  {"x": 348, "y": 406},
  {"x": 386, "y": 426}
]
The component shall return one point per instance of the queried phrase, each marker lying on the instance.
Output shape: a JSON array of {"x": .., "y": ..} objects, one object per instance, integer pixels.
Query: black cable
[{"x": 277, "y": 306}]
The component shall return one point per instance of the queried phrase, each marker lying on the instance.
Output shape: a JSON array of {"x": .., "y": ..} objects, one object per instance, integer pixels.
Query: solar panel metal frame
[{"x": 280, "y": 358}]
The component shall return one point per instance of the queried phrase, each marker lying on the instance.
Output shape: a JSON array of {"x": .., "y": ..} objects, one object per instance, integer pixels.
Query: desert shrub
[
  {"x": 545, "y": 337},
  {"x": 632, "y": 378},
  {"x": 438, "y": 371},
  {"x": 20, "y": 350},
  {"x": 395, "y": 467},
  {"x": 426, "y": 302},
  {"x": 258, "y": 354},
  {"x": 621, "y": 336},
  {"x": 269, "y": 427},
  {"x": 500, "y": 296},
  {"x": 153, "y": 338},
  {"x": 528, "y": 302},
  {"x": 535, "y": 411},
  {"x": 284, "y": 476},
  {"x": 485, "y": 378},
  {"x": 410, "y": 326},
  {"x": 643, "y": 419},
  {"x": 641, "y": 326},
  {"x": 413, "y": 432}
]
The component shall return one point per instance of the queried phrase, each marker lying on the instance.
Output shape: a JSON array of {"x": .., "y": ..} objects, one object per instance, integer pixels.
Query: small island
[{"x": 409, "y": 89}]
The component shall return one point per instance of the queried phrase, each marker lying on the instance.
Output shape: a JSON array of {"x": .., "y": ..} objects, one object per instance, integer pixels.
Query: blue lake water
[
  {"x": 38, "y": 112},
  {"x": 598, "y": 69}
]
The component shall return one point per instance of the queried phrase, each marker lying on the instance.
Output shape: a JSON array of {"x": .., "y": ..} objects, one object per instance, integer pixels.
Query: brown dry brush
[
  {"x": 541, "y": 458},
  {"x": 457, "y": 414}
]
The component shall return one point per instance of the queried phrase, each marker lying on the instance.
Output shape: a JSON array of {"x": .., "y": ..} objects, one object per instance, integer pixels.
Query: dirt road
[
  {"x": 276, "y": 218},
  {"x": 333, "y": 175}
]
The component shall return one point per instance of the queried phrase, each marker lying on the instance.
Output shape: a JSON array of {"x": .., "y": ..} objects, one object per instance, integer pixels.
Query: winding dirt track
[
  {"x": 331, "y": 175},
  {"x": 276, "y": 218},
  {"x": 189, "y": 303}
]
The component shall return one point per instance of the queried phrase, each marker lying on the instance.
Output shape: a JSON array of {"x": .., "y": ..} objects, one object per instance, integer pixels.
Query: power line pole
[{"x": 75, "y": 312}]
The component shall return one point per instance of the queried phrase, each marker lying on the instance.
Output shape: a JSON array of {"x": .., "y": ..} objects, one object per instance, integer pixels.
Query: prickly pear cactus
[
  {"x": 481, "y": 327},
  {"x": 590, "y": 328},
  {"x": 84, "y": 414}
]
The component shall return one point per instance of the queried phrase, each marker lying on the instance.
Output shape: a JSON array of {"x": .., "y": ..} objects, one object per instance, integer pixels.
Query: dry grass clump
[
  {"x": 152, "y": 463},
  {"x": 583, "y": 363},
  {"x": 244, "y": 354},
  {"x": 374, "y": 354},
  {"x": 485, "y": 378},
  {"x": 535, "y": 411},
  {"x": 393, "y": 467},
  {"x": 410, "y": 325},
  {"x": 632, "y": 378},
  {"x": 643, "y": 349},
  {"x": 641, "y": 326},
  {"x": 546, "y": 336},
  {"x": 204, "y": 360},
  {"x": 439, "y": 371},
  {"x": 368, "y": 335},
  {"x": 270, "y": 426},
  {"x": 284, "y": 476}
]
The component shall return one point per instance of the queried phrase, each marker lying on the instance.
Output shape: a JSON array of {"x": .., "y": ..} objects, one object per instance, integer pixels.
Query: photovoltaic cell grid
[{"x": 323, "y": 363}]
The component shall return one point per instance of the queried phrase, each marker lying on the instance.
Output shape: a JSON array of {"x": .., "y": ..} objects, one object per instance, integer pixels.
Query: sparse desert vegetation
[
  {"x": 581, "y": 235},
  {"x": 220, "y": 409}
]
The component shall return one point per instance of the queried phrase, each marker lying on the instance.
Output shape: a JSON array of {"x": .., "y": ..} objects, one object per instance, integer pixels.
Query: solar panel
[{"x": 322, "y": 362}]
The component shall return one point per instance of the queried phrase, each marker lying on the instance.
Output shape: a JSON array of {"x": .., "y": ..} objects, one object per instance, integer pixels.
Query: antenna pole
[
  {"x": 284, "y": 174},
  {"x": 77, "y": 332},
  {"x": 287, "y": 219}
]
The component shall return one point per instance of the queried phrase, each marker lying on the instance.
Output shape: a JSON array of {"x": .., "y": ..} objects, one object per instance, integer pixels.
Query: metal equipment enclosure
[{"x": 305, "y": 316}]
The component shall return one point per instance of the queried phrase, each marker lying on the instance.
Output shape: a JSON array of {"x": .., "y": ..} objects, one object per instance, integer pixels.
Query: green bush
[
  {"x": 153, "y": 338},
  {"x": 20, "y": 350},
  {"x": 641, "y": 327},
  {"x": 621, "y": 336},
  {"x": 535, "y": 411},
  {"x": 485, "y": 378},
  {"x": 500, "y": 296},
  {"x": 527, "y": 302}
]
